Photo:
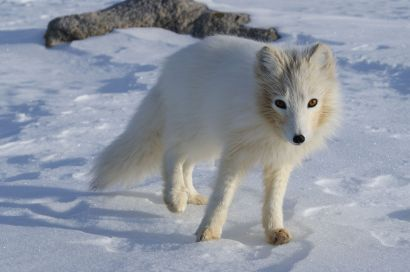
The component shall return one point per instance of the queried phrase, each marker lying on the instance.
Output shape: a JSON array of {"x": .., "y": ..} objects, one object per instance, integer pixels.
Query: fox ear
[
  {"x": 269, "y": 60},
  {"x": 321, "y": 55}
]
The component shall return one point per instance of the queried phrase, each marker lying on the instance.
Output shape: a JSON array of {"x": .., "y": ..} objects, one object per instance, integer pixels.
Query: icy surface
[{"x": 348, "y": 207}]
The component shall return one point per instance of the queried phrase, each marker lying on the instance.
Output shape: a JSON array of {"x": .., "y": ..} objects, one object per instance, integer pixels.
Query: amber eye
[
  {"x": 312, "y": 103},
  {"x": 280, "y": 104}
]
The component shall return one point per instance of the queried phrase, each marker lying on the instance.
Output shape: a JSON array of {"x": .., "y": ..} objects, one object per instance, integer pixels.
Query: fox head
[{"x": 298, "y": 91}]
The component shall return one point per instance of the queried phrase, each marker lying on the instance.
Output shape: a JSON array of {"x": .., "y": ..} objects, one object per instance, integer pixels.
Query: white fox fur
[{"x": 218, "y": 98}]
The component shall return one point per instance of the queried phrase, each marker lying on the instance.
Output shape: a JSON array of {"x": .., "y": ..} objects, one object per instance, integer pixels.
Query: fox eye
[
  {"x": 312, "y": 103},
  {"x": 280, "y": 104}
]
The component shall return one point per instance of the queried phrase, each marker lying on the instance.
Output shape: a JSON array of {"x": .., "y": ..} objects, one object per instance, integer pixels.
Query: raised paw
[
  {"x": 197, "y": 199},
  {"x": 206, "y": 234},
  {"x": 279, "y": 237},
  {"x": 176, "y": 201}
]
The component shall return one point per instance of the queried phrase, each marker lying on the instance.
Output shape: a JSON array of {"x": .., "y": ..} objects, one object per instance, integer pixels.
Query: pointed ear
[
  {"x": 270, "y": 60},
  {"x": 322, "y": 56}
]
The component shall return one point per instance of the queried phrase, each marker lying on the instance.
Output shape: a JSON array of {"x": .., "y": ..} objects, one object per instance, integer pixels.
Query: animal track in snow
[
  {"x": 392, "y": 238},
  {"x": 328, "y": 209},
  {"x": 370, "y": 199},
  {"x": 110, "y": 244},
  {"x": 375, "y": 129},
  {"x": 314, "y": 210},
  {"x": 389, "y": 133},
  {"x": 397, "y": 76},
  {"x": 388, "y": 181},
  {"x": 329, "y": 185},
  {"x": 354, "y": 185}
]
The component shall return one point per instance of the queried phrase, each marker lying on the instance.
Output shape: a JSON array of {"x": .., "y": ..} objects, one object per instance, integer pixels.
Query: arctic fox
[{"x": 242, "y": 101}]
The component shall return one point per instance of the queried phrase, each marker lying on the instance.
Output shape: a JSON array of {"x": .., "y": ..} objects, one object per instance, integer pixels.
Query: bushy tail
[{"x": 137, "y": 152}]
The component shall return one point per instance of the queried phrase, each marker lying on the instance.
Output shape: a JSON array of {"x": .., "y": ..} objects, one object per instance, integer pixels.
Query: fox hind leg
[
  {"x": 193, "y": 196},
  {"x": 175, "y": 191}
]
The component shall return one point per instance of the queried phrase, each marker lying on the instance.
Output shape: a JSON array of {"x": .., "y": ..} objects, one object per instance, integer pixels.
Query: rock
[{"x": 180, "y": 16}]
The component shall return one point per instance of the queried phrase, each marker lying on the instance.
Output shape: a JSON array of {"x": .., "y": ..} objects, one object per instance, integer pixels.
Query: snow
[{"x": 347, "y": 207}]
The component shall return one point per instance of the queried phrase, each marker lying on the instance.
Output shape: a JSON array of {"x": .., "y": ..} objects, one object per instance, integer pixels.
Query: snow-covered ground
[{"x": 348, "y": 207}]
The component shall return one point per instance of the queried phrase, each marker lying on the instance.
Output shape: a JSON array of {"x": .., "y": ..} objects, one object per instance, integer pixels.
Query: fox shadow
[{"x": 83, "y": 214}]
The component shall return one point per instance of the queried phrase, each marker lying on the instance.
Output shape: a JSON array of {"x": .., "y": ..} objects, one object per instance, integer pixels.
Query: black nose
[{"x": 298, "y": 139}]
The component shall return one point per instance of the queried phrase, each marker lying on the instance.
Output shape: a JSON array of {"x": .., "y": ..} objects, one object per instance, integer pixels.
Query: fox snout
[
  {"x": 296, "y": 137},
  {"x": 297, "y": 129}
]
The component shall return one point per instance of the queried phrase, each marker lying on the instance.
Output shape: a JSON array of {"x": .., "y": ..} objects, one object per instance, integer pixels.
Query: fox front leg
[
  {"x": 275, "y": 181},
  {"x": 230, "y": 173}
]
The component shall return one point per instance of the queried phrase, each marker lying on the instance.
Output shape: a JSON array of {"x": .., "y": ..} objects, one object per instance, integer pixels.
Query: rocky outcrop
[{"x": 180, "y": 16}]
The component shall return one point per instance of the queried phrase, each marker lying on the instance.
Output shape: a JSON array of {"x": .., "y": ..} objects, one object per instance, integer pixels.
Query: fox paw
[
  {"x": 207, "y": 234},
  {"x": 197, "y": 199},
  {"x": 176, "y": 201},
  {"x": 279, "y": 237}
]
